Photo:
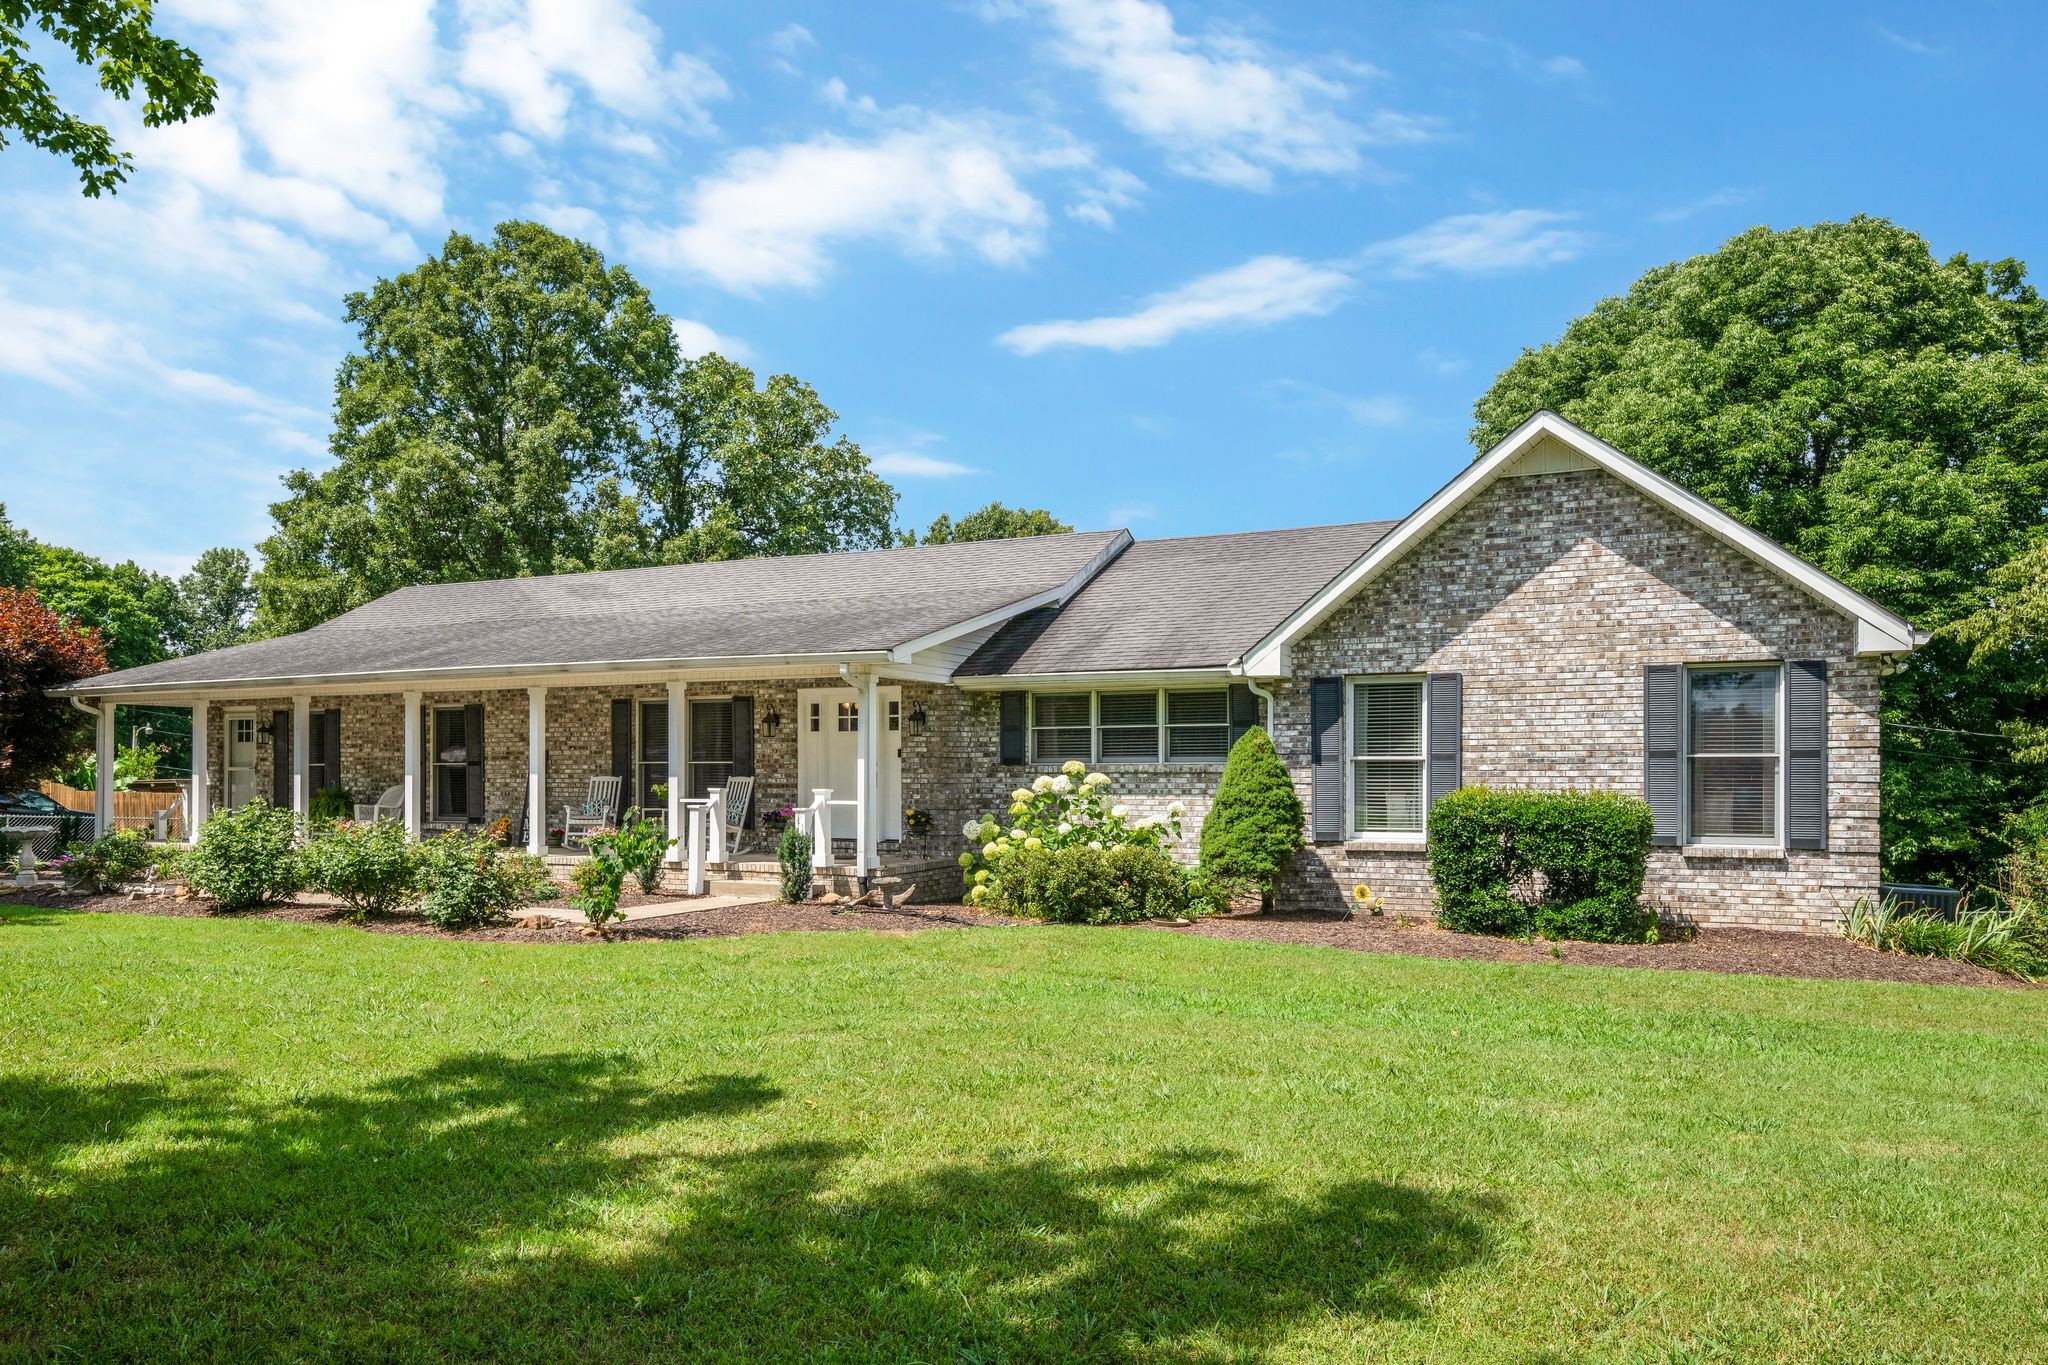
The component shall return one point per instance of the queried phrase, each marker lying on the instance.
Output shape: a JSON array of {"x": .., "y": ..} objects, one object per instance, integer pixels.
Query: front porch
[{"x": 518, "y": 760}]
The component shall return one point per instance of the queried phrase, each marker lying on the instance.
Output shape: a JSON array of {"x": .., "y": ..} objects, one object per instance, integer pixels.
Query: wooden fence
[{"x": 132, "y": 810}]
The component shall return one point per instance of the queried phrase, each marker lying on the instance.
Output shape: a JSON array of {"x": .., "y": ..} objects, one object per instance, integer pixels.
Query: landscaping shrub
[
  {"x": 109, "y": 862},
  {"x": 245, "y": 857},
  {"x": 1072, "y": 809},
  {"x": 1560, "y": 864},
  {"x": 599, "y": 880},
  {"x": 370, "y": 867},
  {"x": 1253, "y": 830},
  {"x": 1081, "y": 884},
  {"x": 470, "y": 880},
  {"x": 330, "y": 804},
  {"x": 2013, "y": 941},
  {"x": 794, "y": 855},
  {"x": 642, "y": 846}
]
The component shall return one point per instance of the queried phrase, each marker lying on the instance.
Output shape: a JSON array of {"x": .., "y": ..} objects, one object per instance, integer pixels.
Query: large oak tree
[
  {"x": 1885, "y": 414},
  {"x": 515, "y": 407}
]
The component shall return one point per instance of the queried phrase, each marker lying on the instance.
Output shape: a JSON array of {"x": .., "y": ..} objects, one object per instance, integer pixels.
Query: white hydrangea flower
[
  {"x": 1095, "y": 843},
  {"x": 1063, "y": 784},
  {"x": 1018, "y": 832},
  {"x": 1176, "y": 810},
  {"x": 1021, "y": 794},
  {"x": 972, "y": 829},
  {"x": 1120, "y": 812},
  {"x": 1066, "y": 828},
  {"x": 1096, "y": 780},
  {"x": 1041, "y": 783},
  {"x": 990, "y": 850},
  {"x": 1073, "y": 767}
]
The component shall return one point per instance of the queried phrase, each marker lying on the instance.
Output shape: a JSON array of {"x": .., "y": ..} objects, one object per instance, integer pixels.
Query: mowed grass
[{"x": 229, "y": 1139}]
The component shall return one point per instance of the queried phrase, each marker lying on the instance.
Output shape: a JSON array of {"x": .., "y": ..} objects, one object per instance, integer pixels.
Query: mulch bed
[{"x": 1747, "y": 952}]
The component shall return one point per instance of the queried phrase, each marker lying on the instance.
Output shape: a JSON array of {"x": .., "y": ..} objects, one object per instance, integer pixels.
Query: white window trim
[
  {"x": 1351, "y": 760},
  {"x": 1159, "y": 727},
  {"x": 1687, "y": 839}
]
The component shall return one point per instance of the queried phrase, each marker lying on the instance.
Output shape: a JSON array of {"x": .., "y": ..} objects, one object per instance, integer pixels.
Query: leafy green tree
[
  {"x": 136, "y": 612},
  {"x": 993, "y": 522},
  {"x": 116, "y": 38},
  {"x": 1881, "y": 412},
  {"x": 215, "y": 601},
  {"x": 1254, "y": 828},
  {"x": 17, "y": 553},
  {"x": 517, "y": 407},
  {"x": 2010, "y": 633}
]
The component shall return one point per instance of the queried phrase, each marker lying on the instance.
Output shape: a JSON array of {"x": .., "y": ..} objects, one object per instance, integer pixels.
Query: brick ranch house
[{"x": 1555, "y": 616}]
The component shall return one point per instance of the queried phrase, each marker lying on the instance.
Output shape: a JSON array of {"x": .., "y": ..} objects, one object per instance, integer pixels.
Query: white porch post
[
  {"x": 536, "y": 770},
  {"x": 103, "y": 771},
  {"x": 678, "y": 850},
  {"x": 413, "y": 823},
  {"x": 868, "y": 769},
  {"x": 196, "y": 807},
  {"x": 821, "y": 827},
  {"x": 302, "y": 749},
  {"x": 715, "y": 801}
]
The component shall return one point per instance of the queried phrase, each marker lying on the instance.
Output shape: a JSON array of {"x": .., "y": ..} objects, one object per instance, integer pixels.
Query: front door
[
  {"x": 828, "y": 755},
  {"x": 238, "y": 773}
]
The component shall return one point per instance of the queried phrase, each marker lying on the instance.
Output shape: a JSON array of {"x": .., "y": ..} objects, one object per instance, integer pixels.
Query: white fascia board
[
  {"x": 1046, "y": 682},
  {"x": 1115, "y": 546},
  {"x": 1879, "y": 630},
  {"x": 469, "y": 678}
]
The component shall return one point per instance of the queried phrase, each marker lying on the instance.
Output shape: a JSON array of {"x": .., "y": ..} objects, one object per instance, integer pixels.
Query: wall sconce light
[
  {"x": 264, "y": 729},
  {"x": 771, "y": 722},
  {"x": 918, "y": 721}
]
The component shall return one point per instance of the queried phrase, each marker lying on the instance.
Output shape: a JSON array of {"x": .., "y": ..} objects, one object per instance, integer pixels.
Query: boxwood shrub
[{"x": 1559, "y": 864}]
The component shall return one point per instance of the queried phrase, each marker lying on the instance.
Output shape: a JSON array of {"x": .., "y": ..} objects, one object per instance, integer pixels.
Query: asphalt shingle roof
[
  {"x": 797, "y": 605},
  {"x": 1192, "y": 602}
]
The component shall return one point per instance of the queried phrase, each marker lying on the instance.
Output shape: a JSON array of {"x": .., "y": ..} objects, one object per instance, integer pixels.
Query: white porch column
[
  {"x": 715, "y": 801},
  {"x": 821, "y": 827},
  {"x": 536, "y": 770},
  {"x": 103, "y": 771},
  {"x": 413, "y": 823},
  {"x": 868, "y": 769},
  {"x": 678, "y": 850},
  {"x": 302, "y": 753},
  {"x": 196, "y": 805}
]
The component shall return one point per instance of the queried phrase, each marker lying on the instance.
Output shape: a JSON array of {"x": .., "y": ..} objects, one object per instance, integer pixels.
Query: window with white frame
[
  {"x": 1172, "y": 725},
  {"x": 1387, "y": 758},
  {"x": 1732, "y": 754}
]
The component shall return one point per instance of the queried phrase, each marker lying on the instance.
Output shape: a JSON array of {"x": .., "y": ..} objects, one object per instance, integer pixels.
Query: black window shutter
[
  {"x": 1012, "y": 710},
  {"x": 743, "y": 746},
  {"x": 281, "y": 759},
  {"x": 1446, "y": 734},
  {"x": 1244, "y": 712},
  {"x": 473, "y": 758},
  {"x": 1806, "y": 754},
  {"x": 1326, "y": 758},
  {"x": 1663, "y": 743},
  {"x": 622, "y": 752},
  {"x": 330, "y": 775}
]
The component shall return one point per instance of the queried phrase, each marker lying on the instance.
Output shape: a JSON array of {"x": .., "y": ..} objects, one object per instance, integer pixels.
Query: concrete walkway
[{"x": 660, "y": 909}]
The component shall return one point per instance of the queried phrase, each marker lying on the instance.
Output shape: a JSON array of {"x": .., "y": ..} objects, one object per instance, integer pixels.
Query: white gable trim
[
  {"x": 909, "y": 649},
  {"x": 1878, "y": 631}
]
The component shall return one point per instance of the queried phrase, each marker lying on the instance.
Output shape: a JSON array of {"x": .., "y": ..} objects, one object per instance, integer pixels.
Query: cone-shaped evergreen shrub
[{"x": 1253, "y": 830}]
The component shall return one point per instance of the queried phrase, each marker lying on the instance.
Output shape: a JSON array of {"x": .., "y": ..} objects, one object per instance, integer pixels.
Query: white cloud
[
  {"x": 1264, "y": 290},
  {"x": 1221, "y": 107},
  {"x": 1439, "y": 362},
  {"x": 786, "y": 44},
  {"x": 1560, "y": 67},
  {"x": 1269, "y": 289},
  {"x": 1905, "y": 43},
  {"x": 68, "y": 347},
  {"x": 1124, "y": 513},
  {"x": 1480, "y": 243},
  {"x": 527, "y": 52},
  {"x": 695, "y": 339},
  {"x": 1727, "y": 197},
  {"x": 910, "y": 464},
  {"x": 773, "y": 215}
]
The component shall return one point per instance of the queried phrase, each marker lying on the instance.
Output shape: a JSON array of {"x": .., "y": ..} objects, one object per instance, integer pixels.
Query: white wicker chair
[
  {"x": 389, "y": 806},
  {"x": 600, "y": 810}
]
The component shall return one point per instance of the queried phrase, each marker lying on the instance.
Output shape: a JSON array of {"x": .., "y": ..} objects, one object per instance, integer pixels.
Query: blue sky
[{"x": 1185, "y": 266}]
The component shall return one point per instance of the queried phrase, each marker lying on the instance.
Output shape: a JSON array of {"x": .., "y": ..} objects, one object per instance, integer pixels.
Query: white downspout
[{"x": 1272, "y": 703}]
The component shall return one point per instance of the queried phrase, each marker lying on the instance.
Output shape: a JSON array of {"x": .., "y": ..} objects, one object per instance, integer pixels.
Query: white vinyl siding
[
  {"x": 1733, "y": 748},
  {"x": 1388, "y": 764},
  {"x": 1157, "y": 725}
]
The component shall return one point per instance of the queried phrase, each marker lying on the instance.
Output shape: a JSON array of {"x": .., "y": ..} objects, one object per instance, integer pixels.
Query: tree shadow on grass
[{"x": 483, "y": 1206}]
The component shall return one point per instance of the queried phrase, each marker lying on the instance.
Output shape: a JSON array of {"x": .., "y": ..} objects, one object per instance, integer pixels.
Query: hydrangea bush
[{"x": 1070, "y": 809}]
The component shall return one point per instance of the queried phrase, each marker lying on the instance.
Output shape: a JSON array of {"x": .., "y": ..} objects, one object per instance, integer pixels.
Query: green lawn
[{"x": 229, "y": 1138}]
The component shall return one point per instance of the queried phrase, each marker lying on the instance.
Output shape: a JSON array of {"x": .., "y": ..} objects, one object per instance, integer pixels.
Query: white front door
[
  {"x": 238, "y": 773},
  {"x": 828, "y": 754}
]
